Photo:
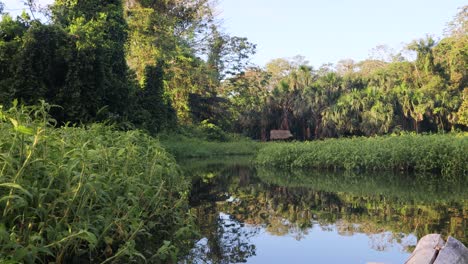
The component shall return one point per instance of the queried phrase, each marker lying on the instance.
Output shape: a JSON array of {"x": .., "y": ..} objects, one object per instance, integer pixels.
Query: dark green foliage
[
  {"x": 85, "y": 195},
  {"x": 11, "y": 32},
  {"x": 41, "y": 68},
  {"x": 98, "y": 70},
  {"x": 78, "y": 63},
  {"x": 154, "y": 109},
  {"x": 211, "y": 107}
]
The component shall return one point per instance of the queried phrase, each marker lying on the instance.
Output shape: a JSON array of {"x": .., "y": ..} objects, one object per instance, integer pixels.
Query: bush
[
  {"x": 212, "y": 132},
  {"x": 86, "y": 194}
]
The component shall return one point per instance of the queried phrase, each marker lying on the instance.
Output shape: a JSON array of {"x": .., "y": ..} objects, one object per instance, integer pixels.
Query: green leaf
[
  {"x": 24, "y": 130},
  {"x": 89, "y": 237},
  {"x": 14, "y": 122},
  {"x": 11, "y": 197},
  {"x": 16, "y": 186}
]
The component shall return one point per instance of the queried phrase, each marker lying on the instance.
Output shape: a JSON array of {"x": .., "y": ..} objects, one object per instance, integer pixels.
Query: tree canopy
[{"x": 156, "y": 65}]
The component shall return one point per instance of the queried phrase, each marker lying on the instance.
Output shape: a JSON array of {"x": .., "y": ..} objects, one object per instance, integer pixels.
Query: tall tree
[
  {"x": 98, "y": 67},
  {"x": 155, "y": 110}
]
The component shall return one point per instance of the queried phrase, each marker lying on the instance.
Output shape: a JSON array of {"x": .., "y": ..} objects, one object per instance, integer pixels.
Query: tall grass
[
  {"x": 441, "y": 153},
  {"x": 74, "y": 195},
  {"x": 183, "y": 146}
]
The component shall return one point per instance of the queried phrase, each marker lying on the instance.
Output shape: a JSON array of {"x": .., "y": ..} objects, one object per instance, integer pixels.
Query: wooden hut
[{"x": 280, "y": 135}]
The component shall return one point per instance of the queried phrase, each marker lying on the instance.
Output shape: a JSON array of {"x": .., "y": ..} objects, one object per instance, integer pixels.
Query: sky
[
  {"x": 326, "y": 30},
  {"x": 330, "y": 30}
]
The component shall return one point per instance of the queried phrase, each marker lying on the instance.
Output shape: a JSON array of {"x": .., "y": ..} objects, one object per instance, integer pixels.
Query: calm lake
[{"x": 259, "y": 215}]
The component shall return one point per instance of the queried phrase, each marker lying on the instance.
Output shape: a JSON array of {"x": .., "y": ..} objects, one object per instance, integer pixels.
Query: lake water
[{"x": 263, "y": 215}]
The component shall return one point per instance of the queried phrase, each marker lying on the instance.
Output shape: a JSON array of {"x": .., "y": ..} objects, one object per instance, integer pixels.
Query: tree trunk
[
  {"x": 263, "y": 135},
  {"x": 285, "y": 122},
  {"x": 304, "y": 133},
  {"x": 317, "y": 127}
]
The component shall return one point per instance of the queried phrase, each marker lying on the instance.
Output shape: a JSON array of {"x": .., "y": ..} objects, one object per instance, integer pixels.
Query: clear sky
[{"x": 327, "y": 30}]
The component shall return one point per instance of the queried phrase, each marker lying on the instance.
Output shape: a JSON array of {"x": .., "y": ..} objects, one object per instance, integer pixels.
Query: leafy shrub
[
  {"x": 212, "y": 132},
  {"x": 86, "y": 194}
]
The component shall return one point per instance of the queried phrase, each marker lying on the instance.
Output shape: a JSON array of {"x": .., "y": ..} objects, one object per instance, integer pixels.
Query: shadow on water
[{"x": 242, "y": 211}]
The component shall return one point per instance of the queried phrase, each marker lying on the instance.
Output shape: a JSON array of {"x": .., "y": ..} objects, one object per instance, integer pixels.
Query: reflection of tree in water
[
  {"x": 225, "y": 241},
  {"x": 387, "y": 208},
  {"x": 419, "y": 204},
  {"x": 382, "y": 241}
]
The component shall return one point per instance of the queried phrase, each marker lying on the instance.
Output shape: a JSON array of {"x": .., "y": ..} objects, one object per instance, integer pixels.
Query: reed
[{"x": 439, "y": 153}]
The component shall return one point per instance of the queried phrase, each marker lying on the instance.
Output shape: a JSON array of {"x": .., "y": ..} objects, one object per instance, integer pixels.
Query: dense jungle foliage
[{"x": 156, "y": 65}]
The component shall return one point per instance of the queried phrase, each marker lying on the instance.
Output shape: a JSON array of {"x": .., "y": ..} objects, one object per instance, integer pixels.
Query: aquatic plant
[{"x": 440, "y": 153}]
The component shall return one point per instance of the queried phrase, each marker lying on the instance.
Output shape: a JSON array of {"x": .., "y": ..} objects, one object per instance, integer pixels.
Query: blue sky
[{"x": 327, "y": 30}]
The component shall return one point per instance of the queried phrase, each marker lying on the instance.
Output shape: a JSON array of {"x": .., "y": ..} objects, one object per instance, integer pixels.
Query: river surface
[{"x": 246, "y": 214}]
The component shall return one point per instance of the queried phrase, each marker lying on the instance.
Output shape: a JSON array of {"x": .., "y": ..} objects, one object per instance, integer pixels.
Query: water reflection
[{"x": 247, "y": 214}]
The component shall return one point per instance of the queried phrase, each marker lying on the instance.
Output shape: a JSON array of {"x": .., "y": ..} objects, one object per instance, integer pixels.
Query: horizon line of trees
[
  {"x": 372, "y": 97},
  {"x": 158, "y": 65}
]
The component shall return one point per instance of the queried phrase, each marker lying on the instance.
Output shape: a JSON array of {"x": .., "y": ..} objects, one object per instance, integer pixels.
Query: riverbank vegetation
[
  {"x": 93, "y": 194},
  {"x": 206, "y": 141},
  {"x": 133, "y": 82},
  {"x": 182, "y": 146},
  {"x": 439, "y": 153}
]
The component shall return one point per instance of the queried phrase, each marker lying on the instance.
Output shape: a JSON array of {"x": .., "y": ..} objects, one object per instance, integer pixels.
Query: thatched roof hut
[{"x": 280, "y": 134}]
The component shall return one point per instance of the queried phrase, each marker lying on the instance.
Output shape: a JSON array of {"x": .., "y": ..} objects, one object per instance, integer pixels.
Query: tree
[
  {"x": 458, "y": 27},
  {"x": 462, "y": 114},
  {"x": 321, "y": 95},
  {"x": 156, "y": 113},
  {"x": 228, "y": 56},
  {"x": 248, "y": 94},
  {"x": 345, "y": 67},
  {"x": 98, "y": 68},
  {"x": 11, "y": 38},
  {"x": 41, "y": 70},
  {"x": 425, "y": 58}
]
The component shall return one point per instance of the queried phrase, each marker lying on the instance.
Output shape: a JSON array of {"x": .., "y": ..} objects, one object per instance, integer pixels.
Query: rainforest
[{"x": 137, "y": 131}]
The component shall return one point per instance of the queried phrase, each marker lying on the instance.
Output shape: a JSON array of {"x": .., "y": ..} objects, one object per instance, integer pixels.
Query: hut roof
[{"x": 280, "y": 134}]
